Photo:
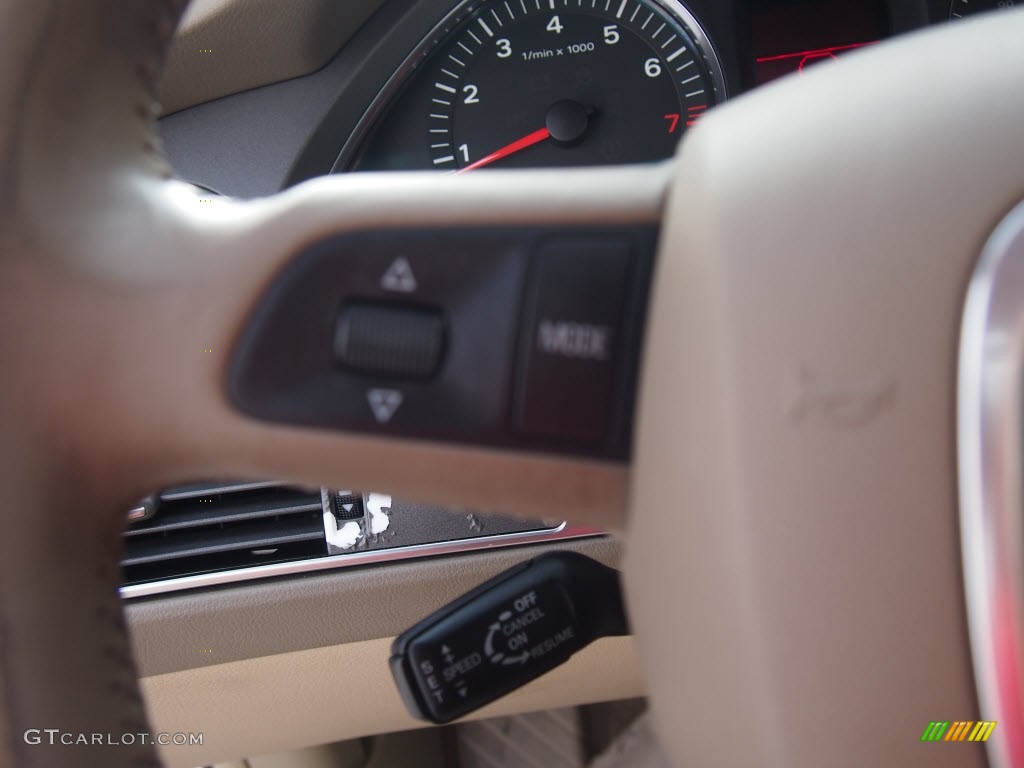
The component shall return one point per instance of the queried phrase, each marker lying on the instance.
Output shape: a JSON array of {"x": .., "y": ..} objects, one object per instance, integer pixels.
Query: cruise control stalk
[{"x": 505, "y": 633}]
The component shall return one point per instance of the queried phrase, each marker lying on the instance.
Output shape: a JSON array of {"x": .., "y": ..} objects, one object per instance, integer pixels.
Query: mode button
[{"x": 573, "y": 320}]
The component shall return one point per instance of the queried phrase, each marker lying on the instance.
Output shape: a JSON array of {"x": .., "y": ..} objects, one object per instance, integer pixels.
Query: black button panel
[{"x": 523, "y": 338}]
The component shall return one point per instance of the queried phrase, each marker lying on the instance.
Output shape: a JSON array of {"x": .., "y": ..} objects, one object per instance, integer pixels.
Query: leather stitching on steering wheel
[{"x": 110, "y": 696}]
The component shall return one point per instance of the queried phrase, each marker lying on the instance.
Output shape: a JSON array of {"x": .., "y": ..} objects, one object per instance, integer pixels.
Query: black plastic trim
[{"x": 282, "y": 369}]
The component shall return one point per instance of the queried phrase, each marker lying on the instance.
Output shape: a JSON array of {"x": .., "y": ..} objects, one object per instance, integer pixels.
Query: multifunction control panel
[
  {"x": 505, "y": 633},
  {"x": 524, "y": 338}
]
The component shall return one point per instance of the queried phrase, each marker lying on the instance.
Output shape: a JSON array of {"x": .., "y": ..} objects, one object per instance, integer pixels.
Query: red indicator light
[
  {"x": 817, "y": 53},
  {"x": 770, "y": 67}
]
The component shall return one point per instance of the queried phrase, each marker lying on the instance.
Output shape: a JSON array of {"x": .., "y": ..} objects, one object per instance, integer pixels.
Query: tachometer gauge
[
  {"x": 960, "y": 8},
  {"x": 534, "y": 83}
]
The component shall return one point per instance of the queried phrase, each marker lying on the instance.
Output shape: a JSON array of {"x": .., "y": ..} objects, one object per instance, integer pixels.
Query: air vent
[{"x": 210, "y": 527}]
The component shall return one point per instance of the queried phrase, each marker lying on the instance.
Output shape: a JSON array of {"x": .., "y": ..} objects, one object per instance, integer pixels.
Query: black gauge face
[
  {"x": 535, "y": 83},
  {"x": 960, "y": 8}
]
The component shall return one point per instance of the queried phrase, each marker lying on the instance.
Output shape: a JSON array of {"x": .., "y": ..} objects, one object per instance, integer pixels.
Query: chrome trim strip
[
  {"x": 562, "y": 533},
  {"x": 705, "y": 47},
  {"x": 138, "y": 513},
  {"x": 198, "y": 490},
  {"x": 989, "y": 434}
]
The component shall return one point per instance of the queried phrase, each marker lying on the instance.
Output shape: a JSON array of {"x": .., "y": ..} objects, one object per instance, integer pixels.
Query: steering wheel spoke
[{"x": 799, "y": 409}]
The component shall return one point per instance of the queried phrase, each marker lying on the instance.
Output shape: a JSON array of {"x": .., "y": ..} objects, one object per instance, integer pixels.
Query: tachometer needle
[{"x": 516, "y": 146}]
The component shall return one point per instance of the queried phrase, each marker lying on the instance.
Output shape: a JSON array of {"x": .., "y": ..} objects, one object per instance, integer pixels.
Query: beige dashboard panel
[
  {"x": 263, "y": 667},
  {"x": 321, "y": 695},
  {"x": 228, "y": 46},
  {"x": 248, "y": 620}
]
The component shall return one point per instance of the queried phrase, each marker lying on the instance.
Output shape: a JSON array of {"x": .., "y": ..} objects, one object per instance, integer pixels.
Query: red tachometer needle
[{"x": 516, "y": 146}]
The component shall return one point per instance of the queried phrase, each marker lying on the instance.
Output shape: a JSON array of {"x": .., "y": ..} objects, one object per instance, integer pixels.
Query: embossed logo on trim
[{"x": 842, "y": 405}]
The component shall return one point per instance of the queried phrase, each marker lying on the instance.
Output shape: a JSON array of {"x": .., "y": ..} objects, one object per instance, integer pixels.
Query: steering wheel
[{"x": 793, "y": 507}]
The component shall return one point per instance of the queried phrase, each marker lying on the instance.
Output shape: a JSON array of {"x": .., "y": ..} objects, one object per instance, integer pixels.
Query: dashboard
[{"x": 457, "y": 87}]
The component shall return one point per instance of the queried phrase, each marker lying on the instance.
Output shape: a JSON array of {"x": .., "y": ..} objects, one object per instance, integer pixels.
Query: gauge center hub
[{"x": 567, "y": 120}]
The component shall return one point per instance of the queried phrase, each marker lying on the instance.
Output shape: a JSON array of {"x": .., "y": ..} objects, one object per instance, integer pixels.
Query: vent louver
[{"x": 210, "y": 527}]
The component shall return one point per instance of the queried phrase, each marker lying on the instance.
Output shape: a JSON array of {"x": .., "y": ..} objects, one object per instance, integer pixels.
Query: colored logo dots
[{"x": 959, "y": 730}]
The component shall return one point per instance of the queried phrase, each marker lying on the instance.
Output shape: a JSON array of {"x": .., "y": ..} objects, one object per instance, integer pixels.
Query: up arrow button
[{"x": 399, "y": 277}]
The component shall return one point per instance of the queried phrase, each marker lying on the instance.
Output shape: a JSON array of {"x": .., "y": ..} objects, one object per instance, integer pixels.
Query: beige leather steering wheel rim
[{"x": 111, "y": 274}]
